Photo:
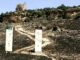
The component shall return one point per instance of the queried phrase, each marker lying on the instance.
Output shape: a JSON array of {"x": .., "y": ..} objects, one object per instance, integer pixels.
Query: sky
[{"x": 10, "y": 5}]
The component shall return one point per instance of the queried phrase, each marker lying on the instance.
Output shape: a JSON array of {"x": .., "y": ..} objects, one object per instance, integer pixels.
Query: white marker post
[
  {"x": 9, "y": 39},
  {"x": 38, "y": 40}
]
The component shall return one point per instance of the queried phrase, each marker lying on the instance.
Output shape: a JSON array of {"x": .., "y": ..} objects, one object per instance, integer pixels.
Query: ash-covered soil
[{"x": 64, "y": 42}]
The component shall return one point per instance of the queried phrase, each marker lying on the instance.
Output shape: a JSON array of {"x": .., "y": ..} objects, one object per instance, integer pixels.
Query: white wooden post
[
  {"x": 9, "y": 39},
  {"x": 38, "y": 40}
]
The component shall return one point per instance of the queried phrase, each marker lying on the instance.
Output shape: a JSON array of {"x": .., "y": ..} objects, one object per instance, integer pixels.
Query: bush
[{"x": 77, "y": 16}]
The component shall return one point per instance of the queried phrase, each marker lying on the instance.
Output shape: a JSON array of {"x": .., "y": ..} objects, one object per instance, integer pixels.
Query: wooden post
[
  {"x": 9, "y": 38},
  {"x": 38, "y": 40}
]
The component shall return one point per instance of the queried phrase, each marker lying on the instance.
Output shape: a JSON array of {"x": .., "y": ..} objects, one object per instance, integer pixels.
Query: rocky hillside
[{"x": 61, "y": 32}]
